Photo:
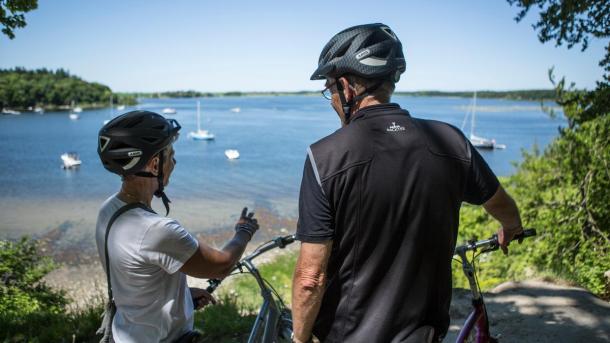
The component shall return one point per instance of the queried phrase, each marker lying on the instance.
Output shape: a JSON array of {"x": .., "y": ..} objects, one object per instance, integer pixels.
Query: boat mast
[
  {"x": 474, "y": 110},
  {"x": 198, "y": 120}
]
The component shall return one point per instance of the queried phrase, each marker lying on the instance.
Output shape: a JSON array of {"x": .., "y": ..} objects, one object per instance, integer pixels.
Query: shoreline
[{"x": 538, "y": 95}]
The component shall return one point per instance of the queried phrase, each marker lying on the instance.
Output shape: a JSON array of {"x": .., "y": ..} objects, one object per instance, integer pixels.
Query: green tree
[
  {"x": 11, "y": 14},
  {"x": 565, "y": 191},
  {"x": 570, "y": 21}
]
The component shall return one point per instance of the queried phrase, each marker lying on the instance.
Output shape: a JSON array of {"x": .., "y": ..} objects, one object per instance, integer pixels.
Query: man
[
  {"x": 147, "y": 256},
  {"x": 379, "y": 205}
]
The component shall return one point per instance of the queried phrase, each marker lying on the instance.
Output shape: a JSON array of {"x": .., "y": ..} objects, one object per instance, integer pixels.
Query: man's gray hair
[{"x": 383, "y": 93}]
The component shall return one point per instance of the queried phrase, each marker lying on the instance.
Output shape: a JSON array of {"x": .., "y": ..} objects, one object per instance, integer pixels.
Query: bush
[
  {"x": 30, "y": 311},
  {"x": 227, "y": 321}
]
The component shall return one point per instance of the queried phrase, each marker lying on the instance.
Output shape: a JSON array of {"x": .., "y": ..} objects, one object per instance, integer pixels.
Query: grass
[{"x": 239, "y": 301}]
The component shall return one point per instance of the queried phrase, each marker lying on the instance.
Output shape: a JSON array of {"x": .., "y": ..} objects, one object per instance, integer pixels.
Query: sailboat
[
  {"x": 73, "y": 115},
  {"x": 477, "y": 141},
  {"x": 111, "y": 111},
  {"x": 200, "y": 135}
]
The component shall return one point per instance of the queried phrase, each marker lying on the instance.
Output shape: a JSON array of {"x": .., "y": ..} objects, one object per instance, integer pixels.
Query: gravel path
[
  {"x": 529, "y": 311},
  {"x": 537, "y": 311}
]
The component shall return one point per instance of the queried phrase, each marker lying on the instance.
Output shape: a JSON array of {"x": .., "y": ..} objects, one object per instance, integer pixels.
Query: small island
[{"x": 45, "y": 89}]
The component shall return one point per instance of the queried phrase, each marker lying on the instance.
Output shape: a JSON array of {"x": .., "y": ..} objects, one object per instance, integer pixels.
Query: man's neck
[
  {"x": 366, "y": 102},
  {"x": 137, "y": 190}
]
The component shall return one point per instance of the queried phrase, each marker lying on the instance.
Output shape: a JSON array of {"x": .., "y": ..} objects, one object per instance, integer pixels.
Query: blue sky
[{"x": 263, "y": 45}]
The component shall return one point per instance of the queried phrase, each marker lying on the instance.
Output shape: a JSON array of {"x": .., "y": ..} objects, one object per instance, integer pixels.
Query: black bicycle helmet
[
  {"x": 370, "y": 51},
  {"x": 129, "y": 141}
]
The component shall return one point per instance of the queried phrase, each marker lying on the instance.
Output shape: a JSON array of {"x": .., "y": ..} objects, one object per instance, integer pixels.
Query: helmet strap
[
  {"x": 159, "y": 193},
  {"x": 348, "y": 105}
]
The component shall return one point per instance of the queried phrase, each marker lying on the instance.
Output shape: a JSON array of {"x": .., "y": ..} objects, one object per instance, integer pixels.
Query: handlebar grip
[
  {"x": 288, "y": 239},
  {"x": 213, "y": 284},
  {"x": 525, "y": 233}
]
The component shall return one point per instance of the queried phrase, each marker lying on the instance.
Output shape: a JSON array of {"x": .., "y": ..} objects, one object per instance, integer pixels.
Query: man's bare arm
[
  {"x": 308, "y": 287},
  {"x": 504, "y": 209}
]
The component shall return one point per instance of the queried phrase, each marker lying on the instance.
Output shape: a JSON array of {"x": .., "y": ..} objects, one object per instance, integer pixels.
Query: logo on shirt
[{"x": 395, "y": 128}]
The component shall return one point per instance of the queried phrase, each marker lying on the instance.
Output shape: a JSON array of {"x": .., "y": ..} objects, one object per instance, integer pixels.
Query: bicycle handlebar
[
  {"x": 278, "y": 242},
  {"x": 491, "y": 243}
]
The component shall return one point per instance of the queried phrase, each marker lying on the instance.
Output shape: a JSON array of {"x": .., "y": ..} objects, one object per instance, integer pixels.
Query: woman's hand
[{"x": 201, "y": 298}]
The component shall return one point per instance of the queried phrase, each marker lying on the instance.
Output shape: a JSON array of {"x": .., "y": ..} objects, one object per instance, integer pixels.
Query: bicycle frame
[
  {"x": 273, "y": 324},
  {"x": 270, "y": 313},
  {"x": 477, "y": 320}
]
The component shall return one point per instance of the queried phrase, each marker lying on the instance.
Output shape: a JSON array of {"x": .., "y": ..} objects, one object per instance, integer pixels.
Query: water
[{"x": 271, "y": 134}]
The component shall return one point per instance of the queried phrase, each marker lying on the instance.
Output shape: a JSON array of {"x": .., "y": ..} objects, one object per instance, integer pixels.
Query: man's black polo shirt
[{"x": 387, "y": 189}]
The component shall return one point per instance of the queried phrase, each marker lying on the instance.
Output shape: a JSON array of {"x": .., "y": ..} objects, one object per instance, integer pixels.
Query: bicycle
[
  {"x": 476, "y": 326},
  {"x": 273, "y": 324}
]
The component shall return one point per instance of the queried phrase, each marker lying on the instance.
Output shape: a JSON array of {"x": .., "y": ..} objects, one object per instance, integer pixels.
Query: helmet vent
[
  {"x": 342, "y": 50},
  {"x": 149, "y": 139},
  {"x": 133, "y": 123},
  {"x": 104, "y": 142}
]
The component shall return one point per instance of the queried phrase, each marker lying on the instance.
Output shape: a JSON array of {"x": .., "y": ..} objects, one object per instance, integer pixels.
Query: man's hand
[
  {"x": 503, "y": 208},
  {"x": 201, "y": 298},
  {"x": 505, "y": 236},
  {"x": 247, "y": 223}
]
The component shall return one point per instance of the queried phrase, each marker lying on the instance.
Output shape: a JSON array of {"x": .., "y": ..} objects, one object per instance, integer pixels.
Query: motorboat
[
  {"x": 38, "y": 110},
  {"x": 120, "y": 107},
  {"x": 236, "y": 110},
  {"x": 70, "y": 160},
  {"x": 77, "y": 109},
  {"x": 74, "y": 116},
  {"x": 232, "y": 154},
  {"x": 11, "y": 112},
  {"x": 200, "y": 135},
  {"x": 169, "y": 110}
]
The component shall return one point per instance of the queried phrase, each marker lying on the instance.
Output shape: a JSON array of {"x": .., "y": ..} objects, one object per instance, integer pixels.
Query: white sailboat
[
  {"x": 111, "y": 111},
  {"x": 73, "y": 115},
  {"x": 477, "y": 141},
  {"x": 200, "y": 135}
]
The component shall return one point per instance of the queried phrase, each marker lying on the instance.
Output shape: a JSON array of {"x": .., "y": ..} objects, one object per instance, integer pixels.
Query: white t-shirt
[{"x": 146, "y": 251}]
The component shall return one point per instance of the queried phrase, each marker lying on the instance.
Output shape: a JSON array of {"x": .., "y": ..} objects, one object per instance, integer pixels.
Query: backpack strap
[
  {"x": 110, "y": 222},
  {"x": 106, "y": 327}
]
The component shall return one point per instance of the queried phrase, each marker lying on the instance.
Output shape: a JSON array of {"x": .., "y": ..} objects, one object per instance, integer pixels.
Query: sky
[{"x": 235, "y": 45}]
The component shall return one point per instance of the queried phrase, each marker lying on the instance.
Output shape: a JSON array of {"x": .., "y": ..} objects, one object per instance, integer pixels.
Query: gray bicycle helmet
[
  {"x": 370, "y": 51},
  {"x": 129, "y": 141}
]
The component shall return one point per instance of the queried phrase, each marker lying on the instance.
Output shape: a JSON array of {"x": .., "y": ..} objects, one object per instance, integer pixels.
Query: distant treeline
[
  {"x": 23, "y": 89},
  {"x": 196, "y": 94},
  {"x": 534, "y": 94},
  {"x": 529, "y": 94}
]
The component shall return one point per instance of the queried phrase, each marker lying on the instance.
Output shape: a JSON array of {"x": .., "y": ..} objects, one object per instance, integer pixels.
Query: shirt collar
[{"x": 376, "y": 110}]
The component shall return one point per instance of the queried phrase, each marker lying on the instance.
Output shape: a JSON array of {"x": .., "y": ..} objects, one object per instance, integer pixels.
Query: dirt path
[
  {"x": 537, "y": 311},
  {"x": 529, "y": 311}
]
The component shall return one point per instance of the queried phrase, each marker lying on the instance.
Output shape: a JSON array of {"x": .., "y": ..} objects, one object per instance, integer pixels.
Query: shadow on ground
[{"x": 537, "y": 311}]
